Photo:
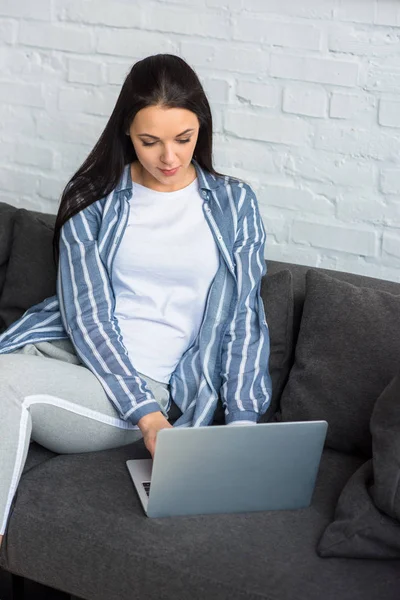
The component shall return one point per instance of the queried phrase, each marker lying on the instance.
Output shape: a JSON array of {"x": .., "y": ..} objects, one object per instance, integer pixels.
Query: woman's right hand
[{"x": 150, "y": 425}]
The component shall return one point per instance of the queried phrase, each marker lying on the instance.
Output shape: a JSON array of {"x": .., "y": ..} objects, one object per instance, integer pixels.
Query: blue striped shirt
[{"x": 228, "y": 359}]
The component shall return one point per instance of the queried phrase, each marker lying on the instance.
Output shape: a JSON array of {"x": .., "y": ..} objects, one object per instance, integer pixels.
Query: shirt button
[{"x": 204, "y": 194}]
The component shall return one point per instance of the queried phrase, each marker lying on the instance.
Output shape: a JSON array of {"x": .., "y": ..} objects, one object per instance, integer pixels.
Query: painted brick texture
[{"x": 305, "y": 99}]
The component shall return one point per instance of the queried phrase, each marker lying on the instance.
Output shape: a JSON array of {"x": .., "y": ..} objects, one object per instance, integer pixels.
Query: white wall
[{"x": 305, "y": 97}]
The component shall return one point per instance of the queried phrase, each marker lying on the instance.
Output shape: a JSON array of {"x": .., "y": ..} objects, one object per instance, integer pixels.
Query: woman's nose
[{"x": 168, "y": 156}]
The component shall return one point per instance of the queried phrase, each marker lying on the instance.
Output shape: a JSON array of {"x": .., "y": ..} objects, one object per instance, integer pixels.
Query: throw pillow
[
  {"x": 277, "y": 296},
  {"x": 347, "y": 351},
  {"x": 31, "y": 272},
  {"x": 6, "y": 228},
  {"x": 367, "y": 516},
  {"x": 385, "y": 429}
]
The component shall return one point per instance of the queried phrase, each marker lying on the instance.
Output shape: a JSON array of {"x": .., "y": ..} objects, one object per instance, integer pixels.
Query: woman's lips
[{"x": 169, "y": 172}]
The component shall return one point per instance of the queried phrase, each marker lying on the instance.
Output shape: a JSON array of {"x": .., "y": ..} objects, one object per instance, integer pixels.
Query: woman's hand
[{"x": 150, "y": 425}]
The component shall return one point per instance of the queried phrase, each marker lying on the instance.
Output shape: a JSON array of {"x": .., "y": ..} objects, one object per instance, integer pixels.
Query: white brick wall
[{"x": 305, "y": 98}]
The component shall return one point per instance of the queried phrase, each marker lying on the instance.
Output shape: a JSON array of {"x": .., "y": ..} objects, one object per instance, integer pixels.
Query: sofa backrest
[
  {"x": 299, "y": 285},
  {"x": 30, "y": 277}
]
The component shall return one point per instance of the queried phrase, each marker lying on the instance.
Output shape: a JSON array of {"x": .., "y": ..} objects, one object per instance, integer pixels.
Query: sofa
[{"x": 77, "y": 526}]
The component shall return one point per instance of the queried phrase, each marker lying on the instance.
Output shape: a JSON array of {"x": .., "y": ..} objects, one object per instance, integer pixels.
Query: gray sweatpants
[{"x": 47, "y": 395}]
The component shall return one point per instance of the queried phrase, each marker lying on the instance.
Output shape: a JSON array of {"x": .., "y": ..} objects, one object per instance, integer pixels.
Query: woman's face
[{"x": 164, "y": 139}]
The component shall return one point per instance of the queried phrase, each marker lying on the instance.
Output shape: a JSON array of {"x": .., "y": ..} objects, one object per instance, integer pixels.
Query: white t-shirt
[{"x": 162, "y": 274}]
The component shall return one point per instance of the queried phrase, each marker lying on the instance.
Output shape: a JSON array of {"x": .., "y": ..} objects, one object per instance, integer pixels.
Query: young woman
[{"x": 158, "y": 304}]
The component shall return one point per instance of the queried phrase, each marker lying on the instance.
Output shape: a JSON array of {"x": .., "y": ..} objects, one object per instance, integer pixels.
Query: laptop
[{"x": 220, "y": 469}]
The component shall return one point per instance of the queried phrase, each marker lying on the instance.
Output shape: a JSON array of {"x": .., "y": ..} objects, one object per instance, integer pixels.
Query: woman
[{"x": 158, "y": 305}]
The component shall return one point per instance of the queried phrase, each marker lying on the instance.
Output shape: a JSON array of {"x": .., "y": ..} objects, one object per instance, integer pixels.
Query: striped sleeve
[
  {"x": 246, "y": 388},
  {"x": 87, "y": 306}
]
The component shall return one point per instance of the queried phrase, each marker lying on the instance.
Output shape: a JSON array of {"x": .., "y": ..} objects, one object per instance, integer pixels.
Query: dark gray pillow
[
  {"x": 367, "y": 516},
  {"x": 277, "y": 296},
  {"x": 31, "y": 272},
  {"x": 6, "y": 229},
  {"x": 347, "y": 352},
  {"x": 385, "y": 429},
  {"x": 359, "y": 529}
]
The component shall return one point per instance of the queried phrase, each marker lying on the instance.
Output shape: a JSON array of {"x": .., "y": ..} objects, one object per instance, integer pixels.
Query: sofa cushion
[
  {"x": 82, "y": 509},
  {"x": 277, "y": 296},
  {"x": 367, "y": 517},
  {"x": 347, "y": 351},
  {"x": 31, "y": 272}
]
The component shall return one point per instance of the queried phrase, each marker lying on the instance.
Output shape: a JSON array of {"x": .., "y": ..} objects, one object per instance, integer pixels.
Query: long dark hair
[{"x": 159, "y": 80}]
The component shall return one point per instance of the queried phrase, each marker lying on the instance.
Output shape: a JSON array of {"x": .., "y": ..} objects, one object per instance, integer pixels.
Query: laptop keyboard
[{"x": 146, "y": 485}]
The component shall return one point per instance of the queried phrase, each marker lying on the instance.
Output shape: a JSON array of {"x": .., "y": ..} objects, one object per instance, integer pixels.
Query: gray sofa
[{"x": 76, "y": 523}]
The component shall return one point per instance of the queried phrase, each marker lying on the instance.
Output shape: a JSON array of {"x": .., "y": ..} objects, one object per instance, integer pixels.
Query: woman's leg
[{"x": 61, "y": 406}]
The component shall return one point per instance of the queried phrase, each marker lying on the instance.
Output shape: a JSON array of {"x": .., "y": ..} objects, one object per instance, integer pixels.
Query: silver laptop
[{"x": 220, "y": 469}]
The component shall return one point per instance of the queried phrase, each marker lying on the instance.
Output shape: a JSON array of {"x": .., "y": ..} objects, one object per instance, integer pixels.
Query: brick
[
  {"x": 334, "y": 170},
  {"x": 7, "y": 151},
  {"x": 319, "y": 70},
  {"x": 217, "y": 90},
  {"x": 352, "y": 106},
  {"x": 117, "y": 72},
  {"x": 295, "y": 198},
  {"x": 391, "y": 211},
  {"x": 362, "y": 42},
  {"x": 368, "y": 267},
  {"x": 366, "y": 207},
  {"x": 354, "y": 141},
  {"x": 277, "y": 33},
  {"x": 34, "y": 155},
  {"x": 51, "y": 187},
  {"x": 99, "y": 101},
  {"x": 8, "y": 31},
  {"x": 247, "y": 155},
  {"x": 32, "y": 65},
  {"x": 391, "y": 244},
  {"x": 111, "y": 14},
  {"x": 85, "y": 71},
  {"x": 383, "y": 79},
  {"x": 205, "y": 2},
  {"x": 226, "y": 4},
  {"x": 292, "y": 253},
  {"x": 358, "y": 11},
  {"x": 389, "y": 113},
  {"x": 70, "y": 130},
  {"x": 387, "y": 13},
  {"x": 226, "y": 58},
  {"x": 15, "y": 120},
  {"x": 24, "y": 94},
  {"x": 39, "y": 10},
  {"x": 311, "y": 101},
  {"x": 390, "y": 181},
  {"x": 335, "y": 237},
  {"x": 258, "y": 94},
  {"x": 316, "y": 9},
  {"x": 69, "y": 156},
  {"x": 182, "y": 20},
  {"x": 56, "y": 37},
  {"x": 281, "y": 130},
  {"x": 276, "y": 227},
  {"x": 141, "y": 43},
  {"x": 17, "y": 180}
]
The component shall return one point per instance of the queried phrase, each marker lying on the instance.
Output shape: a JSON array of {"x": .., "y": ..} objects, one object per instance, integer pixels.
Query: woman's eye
[{"x": 152, "y": 143}]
